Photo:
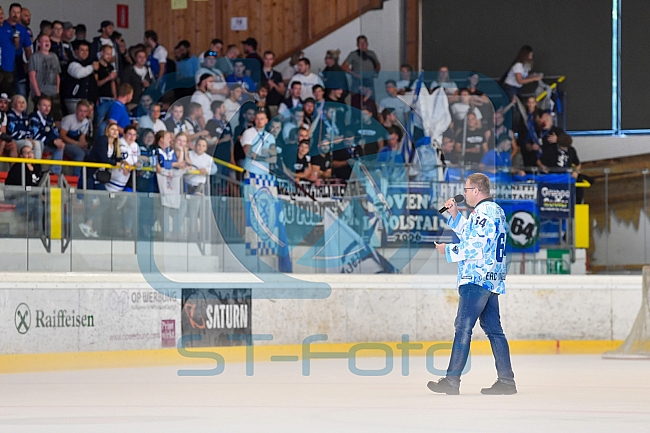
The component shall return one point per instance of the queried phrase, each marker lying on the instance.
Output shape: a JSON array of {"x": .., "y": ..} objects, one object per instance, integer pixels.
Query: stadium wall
[{"x": 73, "y": 312}]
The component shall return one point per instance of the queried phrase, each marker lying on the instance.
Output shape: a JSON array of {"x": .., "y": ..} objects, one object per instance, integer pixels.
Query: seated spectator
[
  {"x": 45, "y": 131},
  {"x": 322, "y": 163},
  {"x": 257, "y": 143},
  {"x": 216, "y": 46},
  {"x": 388, "y": 118},
  {"x": 465, "y": 105},
  {"x": 333, "y": 76},
  {"x": 31, "y": 206},
  {"x": 302, "y": 166},
  {"x": 344, "y": 159},
  {"x": 501, "y": 130},
  {"x": 118, "y": 112},
  {"x": 547, "y": 133},
  {"x": 139, "y": 76},
  {"x": 152, "y": 120},
  {"x": 335, "y": 95},
  {"x": 220, "y": 130},
  {"x": 364, "y": 101},
  {"x": 202, "y": 97},
  {"x": 74, "y": 132},
  {"x": 406, "y": 82},
  {"x": 290, "y": 150},
  {"x": 106, "y": 76},
  {"x": 18, "y": 126},
  {"x": 232, "y": 106},
  {"x": 308, "y": 109},
  {"x": 307, "y": 78},
  {"x": 246, "y": 118},
  {"x": 319, "y": 97},
  {"x": 44, "y": 80},
  {"x": 176, "y": 123},
  {"x": 219, "y": 89},
  {"x": 392, "y": 152},
  {"x": 7, "y": 145},
  {"x": 400, "y": 108},
  {"x": 332, "y": 124},
  {"x": 293, "y": 101},
  {"x": 476, "y": 140},
  {"x": 239, "y": 77},
  {"x": 225, "y": 63},
  {"x": 80, "y": 82},
  {"x": 444, "y": 81},
  {"x": 261, "y": 96}
]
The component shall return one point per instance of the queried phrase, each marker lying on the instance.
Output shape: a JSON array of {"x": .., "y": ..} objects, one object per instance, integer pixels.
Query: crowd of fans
[{"x": 142, "y": 106}]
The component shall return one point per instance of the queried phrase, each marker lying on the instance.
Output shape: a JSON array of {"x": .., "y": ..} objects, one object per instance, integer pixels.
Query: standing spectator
[
  {"x": 45, "y": 131},
  {"x": 201, "y": 161},
  {"x": 362, "y": 65},
  {"x": 68, "y": 34},
  {"x": 106, "y": 38},
  {"x": 44, "y": 70},
  {"x": 59, "y": 47},
  {"x": 232, "y": 105},
  {"x": 80, "y": 81},
  {"x": 128, "y": 151},
  {"x": 202, "y": 97},
  {"x": 187, "y": 64},
  {"x": 7, "y": 59},
  {"x": 121, "y": 55},
  {"x": 151, "y": 120},
  {"x": 293, "y": 101},
  {"x": 444, "y": 81},
  {"x": 220, "y": 130},
  {"x": 238, "y": 76},
  {"x": 225, "y": 63},
  {"x": 407, "y": 80},
  {"x": 450, "y": 156},
  {"x": 80, "y": 32},
  {"x": 158, "y": 54},
  {"x": 118, "y": 113},
  {"x": 193, "y": 122},
  {"x": 250, "y": 51},
  {"x": 18, "y": 126},
  {"x": 273, "y": 79},
  {"x": 292, "y": 68},
  {"x": 370, "y": 134},
  {"x": 175, "y": 123},
  {"x": 139, "y": 76},
  {"x": 21, "y": 42},
  {"x": 219, "y": 88},
  {"x": 343, "y": 159},
  {"x": 400, "y": 108},
  {"x": 302, "y": 167},
  {"x": 145, "y": 180},
  {"x": 26, "y": 21},
  {"x": 334, "y": 77},
  {"x": 307, "y": 78},
  {"x": 29, "y": 207},
  {"x": 476, "y": 140},
  {"x": 74, "y": 132},
  {"x": 519, "y": 72},
  {"x": 216, "y": 46},
  {"x": 257, "y": 143},
  {"x": 322, "y": 163},
  {"x": 106, "y": 75}
]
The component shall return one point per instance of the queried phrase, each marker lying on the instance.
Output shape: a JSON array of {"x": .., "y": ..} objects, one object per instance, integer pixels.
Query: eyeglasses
[{"x": 470, "y": 188}]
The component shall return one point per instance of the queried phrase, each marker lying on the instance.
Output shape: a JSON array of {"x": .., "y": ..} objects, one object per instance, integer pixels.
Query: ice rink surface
[{"x": 563, "y": 393}]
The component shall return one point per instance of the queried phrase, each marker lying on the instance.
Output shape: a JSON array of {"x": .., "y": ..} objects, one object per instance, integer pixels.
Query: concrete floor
[{"x": 566, "y": 393}]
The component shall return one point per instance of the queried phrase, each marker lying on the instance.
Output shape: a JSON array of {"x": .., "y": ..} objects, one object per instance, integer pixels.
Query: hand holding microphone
[{"x": 450, "y": 205}]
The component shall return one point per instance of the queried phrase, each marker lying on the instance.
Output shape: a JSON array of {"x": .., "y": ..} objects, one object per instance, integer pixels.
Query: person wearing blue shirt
[
  {"x": 19, "y": 41},
  {"x": 481, "y": 257},
  {"x": 239, "y": 77},
  {"x": 118, "y": 112},
  {"x": 7, "y": 57}
]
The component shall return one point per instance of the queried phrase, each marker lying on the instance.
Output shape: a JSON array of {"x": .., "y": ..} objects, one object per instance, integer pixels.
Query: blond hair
[{"x": 480, "y": 181}]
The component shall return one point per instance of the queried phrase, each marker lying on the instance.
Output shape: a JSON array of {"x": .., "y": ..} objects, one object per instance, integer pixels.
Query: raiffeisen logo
[{"x": 58, "y": 319}]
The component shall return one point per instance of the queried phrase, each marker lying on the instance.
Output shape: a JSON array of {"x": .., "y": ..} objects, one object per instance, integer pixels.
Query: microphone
[{"x": 459, "y": 199}]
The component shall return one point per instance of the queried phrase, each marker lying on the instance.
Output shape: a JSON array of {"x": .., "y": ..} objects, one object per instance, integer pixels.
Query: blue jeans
[
  {"x": 479, "y": 303},
  {"x": 72, "y": 151}
]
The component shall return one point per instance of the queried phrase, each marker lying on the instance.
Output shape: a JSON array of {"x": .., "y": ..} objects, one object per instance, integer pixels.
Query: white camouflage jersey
[{"x": 481, "y": 253}]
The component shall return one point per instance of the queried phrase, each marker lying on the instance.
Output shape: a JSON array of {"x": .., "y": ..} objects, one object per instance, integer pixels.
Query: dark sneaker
[
  {"x": 500, "y": 388},
  {"x": 443, "y": 386}
]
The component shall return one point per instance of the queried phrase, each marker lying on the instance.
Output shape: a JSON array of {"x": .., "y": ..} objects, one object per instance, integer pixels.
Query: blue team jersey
[{"x": 481, "y": 253}]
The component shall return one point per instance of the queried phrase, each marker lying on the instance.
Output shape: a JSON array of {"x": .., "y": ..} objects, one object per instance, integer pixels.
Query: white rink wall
[{"x": 128, "y": 314}]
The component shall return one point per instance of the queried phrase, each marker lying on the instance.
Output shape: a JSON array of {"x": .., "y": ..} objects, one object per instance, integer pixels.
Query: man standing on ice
[{"x": 481, "y": 257}]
